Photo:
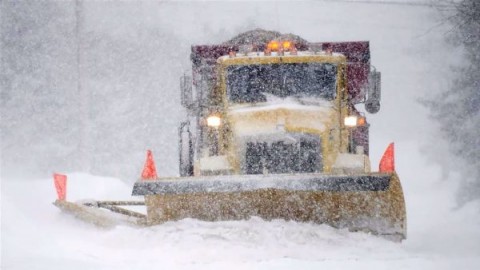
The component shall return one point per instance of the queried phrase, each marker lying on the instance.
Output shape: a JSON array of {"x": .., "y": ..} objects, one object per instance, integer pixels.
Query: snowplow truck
[{"x": 272, "y": 131}]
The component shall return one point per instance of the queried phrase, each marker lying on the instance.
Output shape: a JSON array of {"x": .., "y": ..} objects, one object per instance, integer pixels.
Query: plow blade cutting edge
[{"x": 372, "y": 203}]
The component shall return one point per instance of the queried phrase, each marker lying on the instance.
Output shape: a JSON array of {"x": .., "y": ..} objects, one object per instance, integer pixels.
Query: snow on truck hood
[
  {"x": 292, "y": 103},
  {"x": 269, "y": 117}
]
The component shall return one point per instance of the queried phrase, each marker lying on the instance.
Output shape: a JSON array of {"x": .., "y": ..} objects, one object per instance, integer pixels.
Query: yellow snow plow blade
[
  {"x": 104, "y": 214},
  {"x": 372, "y": 202}
]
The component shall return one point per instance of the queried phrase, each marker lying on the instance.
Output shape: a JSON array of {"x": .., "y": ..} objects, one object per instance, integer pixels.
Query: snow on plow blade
[{"x": 373, "y": 202}]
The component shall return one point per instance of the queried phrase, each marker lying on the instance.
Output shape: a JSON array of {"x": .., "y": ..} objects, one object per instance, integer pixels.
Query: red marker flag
[
  {"x": 387, "y": 163},
  {"x": 60, "y": 181},
  {"x": 149, "y": 170}
]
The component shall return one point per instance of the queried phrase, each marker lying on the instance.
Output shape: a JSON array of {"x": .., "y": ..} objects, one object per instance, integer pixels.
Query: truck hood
[{"x": 282, "y": 115}]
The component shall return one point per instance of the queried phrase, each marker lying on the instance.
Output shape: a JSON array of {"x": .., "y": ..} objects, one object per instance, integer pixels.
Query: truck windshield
[{"x": 250, "y": 83}]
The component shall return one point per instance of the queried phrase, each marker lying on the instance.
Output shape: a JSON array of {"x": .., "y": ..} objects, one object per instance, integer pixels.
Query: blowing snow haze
[{"x": 87, "y": 87}]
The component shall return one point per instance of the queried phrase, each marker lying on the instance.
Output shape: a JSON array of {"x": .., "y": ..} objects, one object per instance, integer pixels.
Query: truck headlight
[
  {"x": 214, "y": 121},
  {"x": 351, "y": 121}
]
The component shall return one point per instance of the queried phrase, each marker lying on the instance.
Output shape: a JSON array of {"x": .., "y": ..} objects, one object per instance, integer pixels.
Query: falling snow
[{"x": 131, "y": 56}]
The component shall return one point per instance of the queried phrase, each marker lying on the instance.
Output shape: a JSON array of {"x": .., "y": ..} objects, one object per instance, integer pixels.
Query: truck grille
[{"x": 303, "y": 155}]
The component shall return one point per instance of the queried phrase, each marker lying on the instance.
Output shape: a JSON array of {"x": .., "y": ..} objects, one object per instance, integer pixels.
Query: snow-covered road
[
  {"x": 414, "y": 60},
  {"x": 36, "y": 235}
]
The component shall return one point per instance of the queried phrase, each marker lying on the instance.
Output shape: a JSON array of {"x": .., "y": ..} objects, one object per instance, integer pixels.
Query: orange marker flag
[
  {"x": 387, "y": 163},
  {"x": 60, "y": 181},
  {"x": 149, "y": 170}
]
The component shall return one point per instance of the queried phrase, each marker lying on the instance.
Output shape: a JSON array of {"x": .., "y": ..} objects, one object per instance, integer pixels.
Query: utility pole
[{"x": 84, "y": 150}]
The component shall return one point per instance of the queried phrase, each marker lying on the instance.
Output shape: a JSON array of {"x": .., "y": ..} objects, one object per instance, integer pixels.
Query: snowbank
[{"x": 36, "y": 235}]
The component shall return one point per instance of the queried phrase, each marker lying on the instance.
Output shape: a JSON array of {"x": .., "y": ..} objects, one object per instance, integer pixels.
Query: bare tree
[{"x": 458, "y": 109}]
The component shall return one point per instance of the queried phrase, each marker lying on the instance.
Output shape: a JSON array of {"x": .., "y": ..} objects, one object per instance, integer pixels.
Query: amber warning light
[
  {"x": 280, "y": 46},
  {"x": 273, "y": 46},
  {"x": 286, "y": 45}
]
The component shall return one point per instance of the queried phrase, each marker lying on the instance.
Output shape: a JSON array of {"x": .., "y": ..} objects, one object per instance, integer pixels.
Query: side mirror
[
  {"x": 186, "y": 91},
  {"x": 185, "y": 149},
  {"x": 372, "y": 104}
]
